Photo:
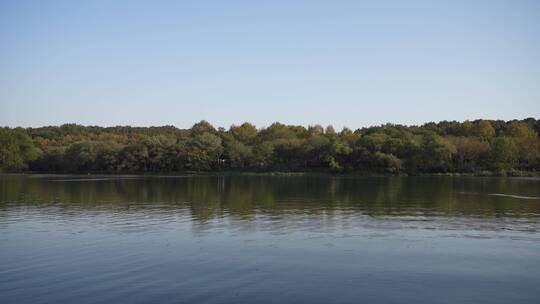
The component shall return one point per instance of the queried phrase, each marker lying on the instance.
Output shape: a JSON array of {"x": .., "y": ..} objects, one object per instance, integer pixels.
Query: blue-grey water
[{"x": 269, "y": 239}]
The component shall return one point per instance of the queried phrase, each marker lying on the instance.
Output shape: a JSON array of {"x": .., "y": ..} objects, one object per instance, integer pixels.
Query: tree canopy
[{"x": 443, "y": 147}]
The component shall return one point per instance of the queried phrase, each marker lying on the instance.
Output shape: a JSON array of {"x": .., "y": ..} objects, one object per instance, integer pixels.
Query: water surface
[{"x": 268, "y": 239}]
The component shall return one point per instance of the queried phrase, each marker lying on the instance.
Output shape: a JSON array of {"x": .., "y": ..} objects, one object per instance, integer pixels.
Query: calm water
[{"x": 264, "y": 239}]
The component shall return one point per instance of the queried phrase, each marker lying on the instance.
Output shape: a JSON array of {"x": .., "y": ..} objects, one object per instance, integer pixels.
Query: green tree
[
  {"x": 436, "y": 154},
  {"x": 201, "y": 127},
  {"x": 205, "y": 151},
  {"x": 134, "y": 158},
  {"x": 446, "y": 146},
  {"x": 81, "y": 156},
  {"x": 245, "y": 133},
  {"x": 387, "y": 163},
  {"x": 263, "y": 155},
  {"x": 237, "y": 154},
  {"x": 315, "y": 130},
  {"x": 520, "y": 130},
  {"x": 330, "y": 132},
  {"x": 16, "y": 149},
  {"x": 471, "y": 153},
  {"x": 503, "y": 154},
  {"x": 483, "y": 128}
]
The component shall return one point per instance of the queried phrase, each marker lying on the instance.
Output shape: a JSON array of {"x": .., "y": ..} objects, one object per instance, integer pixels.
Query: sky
[{"x": 345, "y": 63}]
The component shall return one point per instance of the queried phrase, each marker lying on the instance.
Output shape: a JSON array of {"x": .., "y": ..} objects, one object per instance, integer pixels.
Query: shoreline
[{"x": 513, "y": 173}]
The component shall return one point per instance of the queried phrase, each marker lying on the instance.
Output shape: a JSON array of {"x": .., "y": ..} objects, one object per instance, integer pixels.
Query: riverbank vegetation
[{"x": 479, "y": 147}]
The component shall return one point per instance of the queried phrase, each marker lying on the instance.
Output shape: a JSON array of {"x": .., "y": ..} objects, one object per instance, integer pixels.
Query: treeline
[{"x": 481, "y": 146}]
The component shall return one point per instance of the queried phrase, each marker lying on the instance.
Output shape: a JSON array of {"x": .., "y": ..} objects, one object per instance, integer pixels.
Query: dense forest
[{"x": 480, "y": 147}]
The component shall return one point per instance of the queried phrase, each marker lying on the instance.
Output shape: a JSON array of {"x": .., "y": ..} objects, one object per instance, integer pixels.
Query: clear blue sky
[{"x": 348, "y": 63}]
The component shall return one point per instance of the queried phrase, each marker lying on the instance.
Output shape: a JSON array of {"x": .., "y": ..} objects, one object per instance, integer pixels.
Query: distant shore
[{"x": 480, "y": 147}]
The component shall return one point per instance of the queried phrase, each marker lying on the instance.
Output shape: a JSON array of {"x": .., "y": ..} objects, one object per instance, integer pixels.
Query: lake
[{"x": 269, "y": 239}]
